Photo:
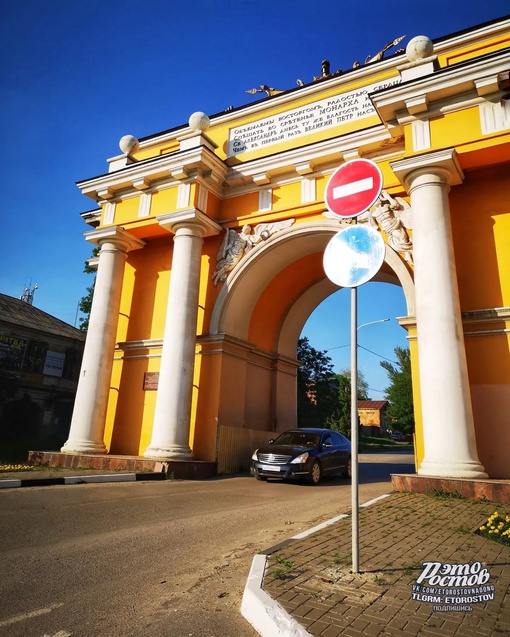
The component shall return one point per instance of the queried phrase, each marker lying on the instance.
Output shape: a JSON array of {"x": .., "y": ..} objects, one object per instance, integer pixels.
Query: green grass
[{"x": 372, "y": 443}]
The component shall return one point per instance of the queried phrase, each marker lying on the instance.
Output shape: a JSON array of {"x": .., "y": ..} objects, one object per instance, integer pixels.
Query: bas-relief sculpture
[
  {"x": 391, "y": 215},
  {"x": 235, "y": 245}
]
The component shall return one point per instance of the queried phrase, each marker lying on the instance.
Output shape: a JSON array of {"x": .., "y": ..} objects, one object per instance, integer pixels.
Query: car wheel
[
  {"x": 315, "y": 473},
  {"x": 260, "y": 477},
  {"x": 346, "y": 473}
]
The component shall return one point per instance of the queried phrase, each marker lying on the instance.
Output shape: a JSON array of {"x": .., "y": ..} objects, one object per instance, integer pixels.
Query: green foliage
[
  {"x": 324, "y": 398},
  {"x": 85, "y": 304},
  {"x": 400, "y": 392},
  {"x": 315, "y": 392},
  {"x": 340, "y": 418}
]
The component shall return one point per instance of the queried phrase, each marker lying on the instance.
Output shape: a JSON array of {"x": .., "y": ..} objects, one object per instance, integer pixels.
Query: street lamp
[
  {"x": 357, "y": 329},
  {"x": 372, "y": 323}
]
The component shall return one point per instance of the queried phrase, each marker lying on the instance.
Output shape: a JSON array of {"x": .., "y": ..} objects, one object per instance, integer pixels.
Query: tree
[
  {"x": 324, "y": 398},
  {"x": 400, "y": 392},
  {"x": 340, "y": 419},
  {"x": 85, "y": 304},
  {"x": 315, "y": 391}
]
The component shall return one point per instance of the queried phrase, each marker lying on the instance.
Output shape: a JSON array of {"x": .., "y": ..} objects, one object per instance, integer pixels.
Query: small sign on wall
[{"x": 150, "y": 381}]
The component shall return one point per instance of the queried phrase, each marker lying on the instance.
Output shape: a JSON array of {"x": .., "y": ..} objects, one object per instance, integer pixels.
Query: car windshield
[{"x": 298, "y": 438}]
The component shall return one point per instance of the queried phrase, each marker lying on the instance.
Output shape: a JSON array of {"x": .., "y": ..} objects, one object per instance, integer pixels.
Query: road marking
[
  {"x": 351, "y": 189},
  {"x": 34, "y": 613},
  {"x": 61, "y": 633}
]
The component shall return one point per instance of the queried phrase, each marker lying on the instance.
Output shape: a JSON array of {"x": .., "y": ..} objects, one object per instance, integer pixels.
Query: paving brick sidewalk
[{"x": 311, "y": 578}]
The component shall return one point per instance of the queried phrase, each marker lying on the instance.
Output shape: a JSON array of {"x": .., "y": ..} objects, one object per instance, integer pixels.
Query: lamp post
[
  {"x": 372, "y": 323},
  {"x": 354, "y": 426}
]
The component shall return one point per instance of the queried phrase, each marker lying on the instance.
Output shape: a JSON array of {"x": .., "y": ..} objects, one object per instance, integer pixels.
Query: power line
[
  {"x": 375, "y": 354},
  {"x": 361, "y": 347}
]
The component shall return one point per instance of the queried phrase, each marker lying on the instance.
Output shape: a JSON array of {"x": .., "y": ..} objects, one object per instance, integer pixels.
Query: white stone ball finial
[
  {"x": 199, "y": 121},
  {"x": 419, "y": 48},
  {"x": 128, "y": 144}
]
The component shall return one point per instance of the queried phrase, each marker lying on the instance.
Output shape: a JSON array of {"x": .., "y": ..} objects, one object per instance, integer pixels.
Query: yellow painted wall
[{"x": 481, "y": 231}]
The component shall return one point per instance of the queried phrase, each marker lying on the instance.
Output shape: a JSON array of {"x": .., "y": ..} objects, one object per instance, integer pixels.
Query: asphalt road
[{"x": 154, "y": 559}]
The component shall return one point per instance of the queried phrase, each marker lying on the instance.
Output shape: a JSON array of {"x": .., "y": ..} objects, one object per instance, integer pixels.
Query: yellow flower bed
[
  {"x": 4, "y": 468},
  {"x": 497, "y": 528}
]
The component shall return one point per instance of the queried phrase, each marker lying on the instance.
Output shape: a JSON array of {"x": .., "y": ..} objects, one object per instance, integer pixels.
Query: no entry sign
[{"x": 353, "y": 188}]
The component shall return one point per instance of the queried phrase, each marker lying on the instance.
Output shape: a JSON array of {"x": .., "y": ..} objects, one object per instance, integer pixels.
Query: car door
[
  {"x": 340, "y": 452},
  {"x": 327, "y": 453}
]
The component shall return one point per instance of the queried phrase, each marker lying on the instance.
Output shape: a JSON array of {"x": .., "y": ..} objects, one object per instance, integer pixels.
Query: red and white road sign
[{"x": 353, "y": 188}]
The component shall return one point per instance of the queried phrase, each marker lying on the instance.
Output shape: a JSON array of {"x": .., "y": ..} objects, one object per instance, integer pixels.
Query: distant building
[
  {"x": 372, "y": 416},
  {"x": 40, "y": 358}
]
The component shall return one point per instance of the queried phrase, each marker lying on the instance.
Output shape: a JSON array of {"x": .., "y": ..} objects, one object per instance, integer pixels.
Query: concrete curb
[
  {"x": 107, "y": 477},
  {"x": 265, "y": 614}
]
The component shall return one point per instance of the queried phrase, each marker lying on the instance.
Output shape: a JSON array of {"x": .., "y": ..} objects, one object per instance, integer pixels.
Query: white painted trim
[
  {"x": 9, "y": 484},
  {"x": 265, "y": 200},
  {"x": 308, "y": 190},
  {"x": 203, "y": 195},
  {"x": 150, "y": 343},
  {"x": 370, "y": 502},
  {"x": 494, "y": 117},
  {"x": 319, "y": 527},
  {"x": 145, "y": 204},
  {"x": 135, "y": 357},
  {"x": 109, "y": 212},
  {"x": 183, "y": 193},
  {"x": 262, "y": 611},
  {"x": 421, "y": 134},
  {"x": 110, "y": 477}
]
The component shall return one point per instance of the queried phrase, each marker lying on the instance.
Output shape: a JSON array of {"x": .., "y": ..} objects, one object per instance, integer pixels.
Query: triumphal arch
[{"x": 212, "y": 235}]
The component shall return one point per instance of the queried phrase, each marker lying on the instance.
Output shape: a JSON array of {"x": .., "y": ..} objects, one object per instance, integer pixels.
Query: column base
[
  {"x": 170, "y": 452},
  {"x": 452, "y": 469},
  {"x": 84, "y": 446}
]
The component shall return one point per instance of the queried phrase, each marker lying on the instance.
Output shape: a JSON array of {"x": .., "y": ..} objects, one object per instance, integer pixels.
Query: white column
[
  {"x": 448, "y": 427},
  {"x": 170, "y": 433},
  {"x": 89, "y": 414}
]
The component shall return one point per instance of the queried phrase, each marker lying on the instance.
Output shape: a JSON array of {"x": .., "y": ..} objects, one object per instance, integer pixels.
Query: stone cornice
[
  {"x": 467, "y": 81},
  {"x": 196, "y": 163},
  {"x": 442, "y": 160},
  {"x": 487, "y": 316},
  {"x": 118, "y": 236},
  {"x": 308, "y": 159},
  {"x": 191, "y": 217},
  {"x": 202, "y": 166}
]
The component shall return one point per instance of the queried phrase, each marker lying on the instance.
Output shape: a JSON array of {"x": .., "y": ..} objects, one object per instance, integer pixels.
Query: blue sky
[{"x": 77, "y": 75}]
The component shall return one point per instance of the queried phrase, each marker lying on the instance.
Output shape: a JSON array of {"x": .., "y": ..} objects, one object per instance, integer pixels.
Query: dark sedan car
[{"x": 303, "y": 453}]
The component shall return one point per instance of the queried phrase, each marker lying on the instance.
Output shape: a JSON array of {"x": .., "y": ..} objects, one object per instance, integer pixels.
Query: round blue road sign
[{"x": 353, "y": 256}]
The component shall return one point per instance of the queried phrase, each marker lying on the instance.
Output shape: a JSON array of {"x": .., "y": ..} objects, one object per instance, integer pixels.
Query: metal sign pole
[
  {"x": 354, "y": 430},
  {"x": 353, "y": 188}
]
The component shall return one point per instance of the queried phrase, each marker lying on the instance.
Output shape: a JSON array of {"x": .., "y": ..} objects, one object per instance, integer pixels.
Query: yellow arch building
[{"x": 212, "y": 236}]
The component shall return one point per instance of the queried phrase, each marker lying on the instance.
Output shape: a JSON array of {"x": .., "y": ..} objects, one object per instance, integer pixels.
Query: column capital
[
  {"x": 443, "y": 164},
  {"x": 116, "y": 235},
  {"x": 190, "y": 218}
]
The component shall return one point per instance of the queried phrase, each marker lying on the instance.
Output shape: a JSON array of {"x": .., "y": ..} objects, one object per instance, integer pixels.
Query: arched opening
[
  {"x": 328, "y": 329},
  {"x": 259, "y": 316},
  {"x": 324, "y": 379}
]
